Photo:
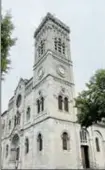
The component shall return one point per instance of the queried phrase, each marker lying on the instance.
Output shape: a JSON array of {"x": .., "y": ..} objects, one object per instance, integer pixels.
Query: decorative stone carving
[
  {"x": 42, "y": 92},
  {"x": 21, "y": 132},
  {"x": 63, "y": 89}
]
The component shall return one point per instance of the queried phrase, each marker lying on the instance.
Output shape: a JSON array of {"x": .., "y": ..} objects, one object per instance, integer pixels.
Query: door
[{"x": 85, "y": 156}]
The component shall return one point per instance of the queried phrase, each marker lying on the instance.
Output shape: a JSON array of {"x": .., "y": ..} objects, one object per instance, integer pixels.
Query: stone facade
[{"x": 52, "y": 77}]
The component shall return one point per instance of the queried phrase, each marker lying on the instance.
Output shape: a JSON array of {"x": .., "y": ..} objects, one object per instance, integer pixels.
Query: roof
[
  {"x": 11, "y": 98},
  {"x": 28, "y": 81},
  {"x": 49, "y": 16},
  {"x": 4, "y": 113}
]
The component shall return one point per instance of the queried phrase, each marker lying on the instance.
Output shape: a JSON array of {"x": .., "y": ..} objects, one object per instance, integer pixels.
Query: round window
[{"x": 18, "y": 101}]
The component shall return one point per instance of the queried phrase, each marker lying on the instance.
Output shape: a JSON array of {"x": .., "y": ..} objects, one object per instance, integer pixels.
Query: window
[
  {"x": 60, "y": 102},
  {"x": 66, "y": 104},
  {"x": 7, "y": 149},
  {"x": 26, "y": 145},
  {"x": 3, "y": 125},
  {"x": 40, "y": 142},
  {"x": 59, "y": 45},
  {"x": 18, "y": 118},
  {"x": 39, "y": 51},
  {"x": 9, "y": 124},
  {"x": 28, "y": 113},
  {"x": 63, "y": 48},
  {"x": 41, "y": 48},
  {"x": 38, "y": 106},
  {"x": 55, "y": 43},
  {"x": 97, "y": 144},
  {"x": 83, "y": 136},
  {"x": 65, "y": 141},
  {"x": 17, "y": 153},
  {"x": 42, "y": 103},
  {"x": 18, "y": 101},
  {"x": 15, "y": 120}
]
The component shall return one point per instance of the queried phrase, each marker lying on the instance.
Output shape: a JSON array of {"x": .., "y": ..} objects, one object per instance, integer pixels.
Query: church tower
[
  {"x": 53, "y": 95},
  {"x": 53, "y": 68}
]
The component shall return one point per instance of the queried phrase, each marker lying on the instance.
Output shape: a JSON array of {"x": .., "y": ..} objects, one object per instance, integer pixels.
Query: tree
[
  {"x": 7, "y": 42},
  {"x": 90, "y": 103}
]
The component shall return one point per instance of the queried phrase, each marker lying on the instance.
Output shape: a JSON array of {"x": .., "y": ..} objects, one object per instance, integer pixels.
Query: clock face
[{"x": 61, "y": 71}]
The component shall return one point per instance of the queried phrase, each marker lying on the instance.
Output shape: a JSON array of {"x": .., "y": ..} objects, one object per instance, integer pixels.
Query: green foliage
[
  {"x": 91, "y": 102},
  {"x": 6, "y": 42}
]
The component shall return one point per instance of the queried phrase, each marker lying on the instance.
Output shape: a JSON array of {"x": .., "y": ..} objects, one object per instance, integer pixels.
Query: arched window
[
  {"x": 97, "y": 144},
  {"x": 63, "y": 48},
  {"x": 40, "y": 142},
  {"x": 9, "y": 124},
  {"x": 39, "y": 51},
  {"x": 18, "y": 118},
  {"x": 17, "y": 153},
  {"x": 28, "y": 113},
  {"x": 26, "y": 145},
  {"x": 15, "y": 120},
  {"x": 55, "y": 44},
  {"x": 7, "y": 149},
  {"x": 66, "y": 104},
  {"x": 18, "y": 101},
  {"x": 38, "y": 106},
  {"x": 65, "y": 140},
  {"x": 60, "y": 102},
  {"x": 83, "y": 136},
  {"x": 42, "y": 103},
  {"x": 59, "y": 45},
  {"x": 42, "y": 47},
  {"x": 3, "y": 125}
]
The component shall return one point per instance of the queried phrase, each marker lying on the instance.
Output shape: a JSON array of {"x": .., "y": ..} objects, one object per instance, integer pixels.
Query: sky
[{"x": 86, "y": 19}]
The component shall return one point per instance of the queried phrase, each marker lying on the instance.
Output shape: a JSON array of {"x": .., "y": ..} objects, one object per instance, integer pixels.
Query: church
[{"x": 39, "y": 127}]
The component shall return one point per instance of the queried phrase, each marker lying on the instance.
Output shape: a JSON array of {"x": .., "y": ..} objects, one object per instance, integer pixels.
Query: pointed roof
[{"x": 20, "y": 81}]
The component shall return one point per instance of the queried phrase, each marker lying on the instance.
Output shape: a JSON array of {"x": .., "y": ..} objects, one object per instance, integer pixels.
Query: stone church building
[{"x": 39, "y": 128}]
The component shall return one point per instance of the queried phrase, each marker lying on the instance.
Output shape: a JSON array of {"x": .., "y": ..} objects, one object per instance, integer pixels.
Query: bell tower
[{"x": 53, "y": 68}]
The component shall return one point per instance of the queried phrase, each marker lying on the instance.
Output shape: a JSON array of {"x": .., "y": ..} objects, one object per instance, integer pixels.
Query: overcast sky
[{"x": 86, "y": 19}]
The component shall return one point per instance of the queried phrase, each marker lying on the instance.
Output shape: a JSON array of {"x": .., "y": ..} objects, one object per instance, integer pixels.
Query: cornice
[
  {"x": 55, "y": 56},
  {"x": 55, "y": 20},
  {"x": 40, "y": 121},
  {"x": 40, "y": 61},
  {"x": 55, "y": 78},
  {"x": 5, "y": 112},
  {"x": 62, "y": 59},
  {"x": 62, "y": 81}
]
